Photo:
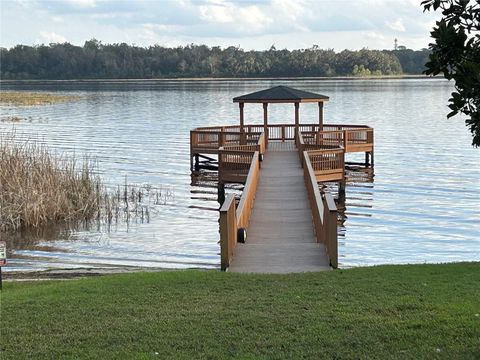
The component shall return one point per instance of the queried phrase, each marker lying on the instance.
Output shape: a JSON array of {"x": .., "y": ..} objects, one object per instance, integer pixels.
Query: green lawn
[{"x": 396, "y": 312}]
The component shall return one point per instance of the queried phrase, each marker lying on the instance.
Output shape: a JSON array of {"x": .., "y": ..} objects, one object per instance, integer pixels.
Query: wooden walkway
[{"x": 281, "y": 237}]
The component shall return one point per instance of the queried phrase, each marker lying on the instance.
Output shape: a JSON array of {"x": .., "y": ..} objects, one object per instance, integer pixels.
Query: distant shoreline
[{"x": 200, "y": 79}]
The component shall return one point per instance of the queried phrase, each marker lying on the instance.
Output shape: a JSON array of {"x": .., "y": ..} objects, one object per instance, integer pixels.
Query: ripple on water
[{"x": 421, "y": 205}]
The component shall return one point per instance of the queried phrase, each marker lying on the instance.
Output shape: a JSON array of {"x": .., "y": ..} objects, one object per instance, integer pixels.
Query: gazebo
[{"x": 281, "y": 94}]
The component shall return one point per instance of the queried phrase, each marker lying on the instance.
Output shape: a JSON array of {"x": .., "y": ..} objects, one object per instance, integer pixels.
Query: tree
[{"x": 456, "y": 54}]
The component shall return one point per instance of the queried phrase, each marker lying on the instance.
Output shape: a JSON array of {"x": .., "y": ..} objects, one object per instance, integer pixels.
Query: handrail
[
  {"x": 259, "y": 146},
  {"x": 313, "y": 127},
  {"x": 232, "y": 219},
  {"x": 233, "y": 165},
  {"x": 239, "y": 148},
  {"x": 247, "y": 199},
  {"x": 300, "y": 145},
  {"x": 354, "y": 138},
  {"x": 262, "y": 143},
  {"x": 324, "y": 210},
  {"x": 328, "y": 164},
  {"x": 324, "y": 214}
]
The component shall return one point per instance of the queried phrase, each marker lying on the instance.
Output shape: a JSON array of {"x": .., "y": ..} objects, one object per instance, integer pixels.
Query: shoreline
[
  {"x": 78, "y": 273},
  {"x": 230, "y": 79}
]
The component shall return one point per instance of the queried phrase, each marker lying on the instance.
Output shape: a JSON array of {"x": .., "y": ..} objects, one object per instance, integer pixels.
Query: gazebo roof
[{"x": 281, "y": 94}]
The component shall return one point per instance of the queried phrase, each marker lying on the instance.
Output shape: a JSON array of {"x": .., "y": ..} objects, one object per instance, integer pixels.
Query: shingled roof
[{"x": 281, "y": 94}]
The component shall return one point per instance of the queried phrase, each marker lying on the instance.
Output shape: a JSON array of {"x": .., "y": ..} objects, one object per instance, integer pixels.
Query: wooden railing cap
[
  {"x": 330, "y": 202},
  {"x": 227, "y": 203}
]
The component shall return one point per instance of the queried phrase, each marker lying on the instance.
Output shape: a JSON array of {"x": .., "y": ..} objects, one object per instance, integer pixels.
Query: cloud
[
  {"x": 396, "y": 25},
  {"x": 217, "y": 13},
  {"x": 82, "y": 3},
  {"x": 249, "y": 22},
  {"x": 234, "y": 19},
  {"x": 51, "y": 37}
]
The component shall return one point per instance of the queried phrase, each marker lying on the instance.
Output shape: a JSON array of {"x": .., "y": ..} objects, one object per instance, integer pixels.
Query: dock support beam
[
  {"x": 197, "y": 162},
  {"x": 320, "y": 116},
  {"x": 341, "y": 190},
  {"x": 221, "y": 193},
  {"x": 369, "y": 158},
  {"x": 265, "y": 122},
  {"x": 297, "y": 116},
  {"x": 243, "y": 139}
]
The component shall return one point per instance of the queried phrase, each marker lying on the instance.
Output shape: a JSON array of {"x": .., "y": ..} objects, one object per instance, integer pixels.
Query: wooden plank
[{"x": 280, "y": 237}]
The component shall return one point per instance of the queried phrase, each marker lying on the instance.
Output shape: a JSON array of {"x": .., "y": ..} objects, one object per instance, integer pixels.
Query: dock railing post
[
  {"x": 228, "y": 231},
  {"x": 330, "y": 225}
]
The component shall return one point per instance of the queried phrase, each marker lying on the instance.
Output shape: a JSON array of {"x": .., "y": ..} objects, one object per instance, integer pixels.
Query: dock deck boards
[{"x": 280, "y": 237}]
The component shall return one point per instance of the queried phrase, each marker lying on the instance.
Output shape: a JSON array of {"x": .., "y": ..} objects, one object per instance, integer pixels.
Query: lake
[{"x": 420, "y": 205}]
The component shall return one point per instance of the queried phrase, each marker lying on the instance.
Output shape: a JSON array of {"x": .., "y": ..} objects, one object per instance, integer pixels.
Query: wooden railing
[
  {"x": 353, "y": 138},
  {"x": 247, "y": 199},
  {"x": 209, "y": 141},
  {"x": 358, "y": 140},
  {"x": 328, "y": 164},
  {"x": 329, "y": 139},
  {"x": 234, "y": 160},
  {"x": 324, "y": 213},
  {"x": 233, "y": 165},
  {"x": 232, "y": 219}
]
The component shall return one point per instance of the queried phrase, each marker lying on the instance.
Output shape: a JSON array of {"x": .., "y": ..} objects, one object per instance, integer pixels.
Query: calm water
[{"x": 422, "y": 205}]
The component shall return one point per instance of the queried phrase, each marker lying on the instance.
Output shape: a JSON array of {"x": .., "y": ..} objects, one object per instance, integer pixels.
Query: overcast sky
[{"x": 250, "y": 24}]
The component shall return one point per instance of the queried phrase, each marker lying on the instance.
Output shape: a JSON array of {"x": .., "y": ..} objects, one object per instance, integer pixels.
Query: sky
[{"x": 249, "y": 24}]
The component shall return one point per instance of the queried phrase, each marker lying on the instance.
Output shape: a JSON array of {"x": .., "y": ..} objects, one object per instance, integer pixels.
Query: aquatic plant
[
  {"x": 32, "y": 98},
  {"x": 39, "y": 188}
]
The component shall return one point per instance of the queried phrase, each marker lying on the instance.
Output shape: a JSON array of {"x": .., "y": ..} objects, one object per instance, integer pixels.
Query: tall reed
[{"x": 38, "y": 188}]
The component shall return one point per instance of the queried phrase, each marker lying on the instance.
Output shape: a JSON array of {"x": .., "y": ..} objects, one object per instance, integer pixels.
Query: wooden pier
[
  {"x": 281, "y": 236},
  {"x": 289, "y": 225}
]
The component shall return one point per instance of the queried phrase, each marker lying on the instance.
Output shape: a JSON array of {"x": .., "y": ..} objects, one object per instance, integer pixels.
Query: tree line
[{"x": 123, "y": 61}]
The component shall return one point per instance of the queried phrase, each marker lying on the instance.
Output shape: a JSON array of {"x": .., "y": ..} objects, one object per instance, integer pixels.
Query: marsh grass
[
  {"x": 39, "y": 189},
  {"x": 12, "y": 119},
  {"x": 33, "y": 98}
]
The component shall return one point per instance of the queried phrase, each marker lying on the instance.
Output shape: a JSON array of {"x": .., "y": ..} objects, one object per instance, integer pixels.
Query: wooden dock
[
  {"x": 290, "y": 226},
  {"x": 281, "y": 236}
]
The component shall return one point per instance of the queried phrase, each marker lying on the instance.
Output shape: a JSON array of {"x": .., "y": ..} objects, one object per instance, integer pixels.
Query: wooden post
[
  {"x": 228, "y": 231},
  {"x": 320, "y": 116},
  {"x": 341, "y": 190},
  {"x": 297, "y": 116},
  {"x": 265, "y": 122},
  {"x": 197, "y": 162},
  {"x": 221, "y": 193},
  {"x": 241, "y": 105},
  {"x": 243, "y": 139},
  {"x": 220, "y": 138},
  {"x": 331, "y": 236}
]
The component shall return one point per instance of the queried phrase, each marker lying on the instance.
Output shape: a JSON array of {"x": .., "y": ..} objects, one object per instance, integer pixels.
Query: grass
[
  {"x": 32, "y": 98},
  {"x": 385, "y": 312}
]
